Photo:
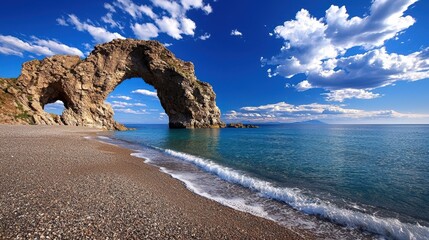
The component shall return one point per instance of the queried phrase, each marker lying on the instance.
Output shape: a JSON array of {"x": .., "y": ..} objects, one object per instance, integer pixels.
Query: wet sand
[{"x": 56, "y": 183}]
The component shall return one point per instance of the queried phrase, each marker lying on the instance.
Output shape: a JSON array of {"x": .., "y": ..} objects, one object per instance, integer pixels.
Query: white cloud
[
  {"x": 197, "y": 4},
  {"x": 145, "y": 31},
  {"x": 175, "y": 27},
  {"x": 207, "y": 9},
  {"x": 188, "y": 4},
  {"x": 170, "y": 26},
  {"x": 235, "y": 32},
  {"x": 134, "y": 10},
  {"x": 109, "y": 7},
  {"x": 9, "y": 51},
  {"x": 58, "y": 48},
  {"x": 10, "y": 45},
  {"x": 204, "y": 37},
  {"x": 146, "y": 92},
  {"x": 173, "y": 8},
  {"x": 120, "y": 104},
  {"x": 188, "y": 26},
  {"x": 17, "y": 45},
  {"x": 99, "y": 34},
  {"x": 130, "y": 111},
  {"x": 121, "y": 97},
  {"x": 303, "y": 86},
  {"x": 54, "y": 106},
  {"x": 168, "y": 44},
  {"x": 108, "y": 18},
  {"x": 147, "y": 21},
  {"x": 87, "y": 46},
  {"x": 285, "y": 112},
  {"x": 375, "y": 68},
  {"x": 385, "y": 21},
  {"x": 318, "y": 48},
  {"x": 61, "y": 21},
  {"x": 348, "y": 93}
]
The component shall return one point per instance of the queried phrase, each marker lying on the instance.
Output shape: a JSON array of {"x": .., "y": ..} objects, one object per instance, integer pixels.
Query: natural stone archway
[{"x": 83, "y": 86}]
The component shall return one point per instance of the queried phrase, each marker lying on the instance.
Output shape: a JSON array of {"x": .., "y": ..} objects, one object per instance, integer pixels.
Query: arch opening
[
  {"x": 54, "y": 100},
  {"x": 136, "y": 102},
  {"x": 56, "y": 108}
]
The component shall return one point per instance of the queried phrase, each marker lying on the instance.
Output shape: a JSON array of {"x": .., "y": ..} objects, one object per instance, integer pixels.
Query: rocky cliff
[{"x": 84, "y": 84}]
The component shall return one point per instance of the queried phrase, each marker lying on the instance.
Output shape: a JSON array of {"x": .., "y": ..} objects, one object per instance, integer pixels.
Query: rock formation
[
  {"x": 84, "y": 84},
  {"x": 241, "y": 125}
]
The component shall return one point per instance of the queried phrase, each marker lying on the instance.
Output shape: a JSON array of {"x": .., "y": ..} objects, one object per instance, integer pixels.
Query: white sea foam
[
  {"x": 235, "y": 203},
  {"x": 388, "y": 227},
  {"x": 141, "y": 155},
  {"x": 106, "y": 140}
]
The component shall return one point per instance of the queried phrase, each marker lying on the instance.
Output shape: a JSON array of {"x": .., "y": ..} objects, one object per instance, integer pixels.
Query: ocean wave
[
  {"x": 387, "y": 227},
  {"x": 235, "y": 203}
]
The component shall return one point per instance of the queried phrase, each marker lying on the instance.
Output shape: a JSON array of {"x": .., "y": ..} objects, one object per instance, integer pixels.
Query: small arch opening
[
  {"x": 54, "y": 100},
  {"x": 56, "y": 107},
  {"x": 136, "y": 102}
]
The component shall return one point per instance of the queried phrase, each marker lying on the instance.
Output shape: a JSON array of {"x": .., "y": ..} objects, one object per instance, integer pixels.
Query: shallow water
[{"x": 364, "y": 177}]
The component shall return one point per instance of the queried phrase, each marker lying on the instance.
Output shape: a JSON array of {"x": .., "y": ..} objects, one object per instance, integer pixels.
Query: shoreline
[{"x": 56, "y": 183}]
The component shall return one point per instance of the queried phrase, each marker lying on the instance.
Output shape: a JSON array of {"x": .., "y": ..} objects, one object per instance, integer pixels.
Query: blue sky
[{"x": 358, "y": 61}]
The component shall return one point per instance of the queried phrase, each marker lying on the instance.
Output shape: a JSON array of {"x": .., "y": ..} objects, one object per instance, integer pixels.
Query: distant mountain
[{"x": 313, "y": 122}]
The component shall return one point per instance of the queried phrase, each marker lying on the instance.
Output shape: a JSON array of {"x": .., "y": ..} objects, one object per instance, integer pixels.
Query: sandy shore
[{"x": 55, "y": 183}]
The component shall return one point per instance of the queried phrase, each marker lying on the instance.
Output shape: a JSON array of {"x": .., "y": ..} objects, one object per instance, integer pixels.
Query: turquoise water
[{"x": 368, "y": 178}]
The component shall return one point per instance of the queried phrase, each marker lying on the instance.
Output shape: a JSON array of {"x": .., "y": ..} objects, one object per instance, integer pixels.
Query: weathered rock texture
[{"x": 83, "y": 86}]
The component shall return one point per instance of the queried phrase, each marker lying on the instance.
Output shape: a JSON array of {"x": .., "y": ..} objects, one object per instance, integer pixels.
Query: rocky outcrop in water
[
  {"x": 241, "y": 125},
  {"x": 84, "y": 84}
]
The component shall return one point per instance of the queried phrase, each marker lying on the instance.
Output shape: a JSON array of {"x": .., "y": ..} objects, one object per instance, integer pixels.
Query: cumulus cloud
[
  {"x": 235, "y": 32},
  {"x": 188, "y": 26},
  {"x": 207, "y": 9},
  {"x": 303, "y": 86},
  {"x": 372, "y": 69},
  {"x": 145, "y": 31},
  {"x": 173, "y": 8},
  {"x": 285, "y": 112},
  {"x": 318, "y": 48},
  {"x": 188, "y": 4},
  {"x": 204, "y": 37},
  {"x": 341, "y": 95},
  {"x": 145, "y": 92},
  {"x": 10, "y": 45},
  {"x": 170, "y": 26},
  {"x": 147, "y": 20},
  {"x": 99, "y": 34},
  {"x": 176, "y": 27}
]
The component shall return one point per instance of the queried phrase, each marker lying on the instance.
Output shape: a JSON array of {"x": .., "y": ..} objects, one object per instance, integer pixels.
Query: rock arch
[{"x": 83, "y": 85}]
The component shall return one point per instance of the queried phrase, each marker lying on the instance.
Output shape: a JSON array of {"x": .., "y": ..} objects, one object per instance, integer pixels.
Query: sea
[{"x": 337, "y": 181}]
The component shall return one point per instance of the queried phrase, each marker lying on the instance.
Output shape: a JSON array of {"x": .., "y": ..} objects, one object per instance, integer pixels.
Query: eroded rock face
[{"x": 83, "y": 86}]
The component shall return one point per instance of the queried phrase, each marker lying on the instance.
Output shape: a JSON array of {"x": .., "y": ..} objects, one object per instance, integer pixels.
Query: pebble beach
[{"x": 57, "y": 182}]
